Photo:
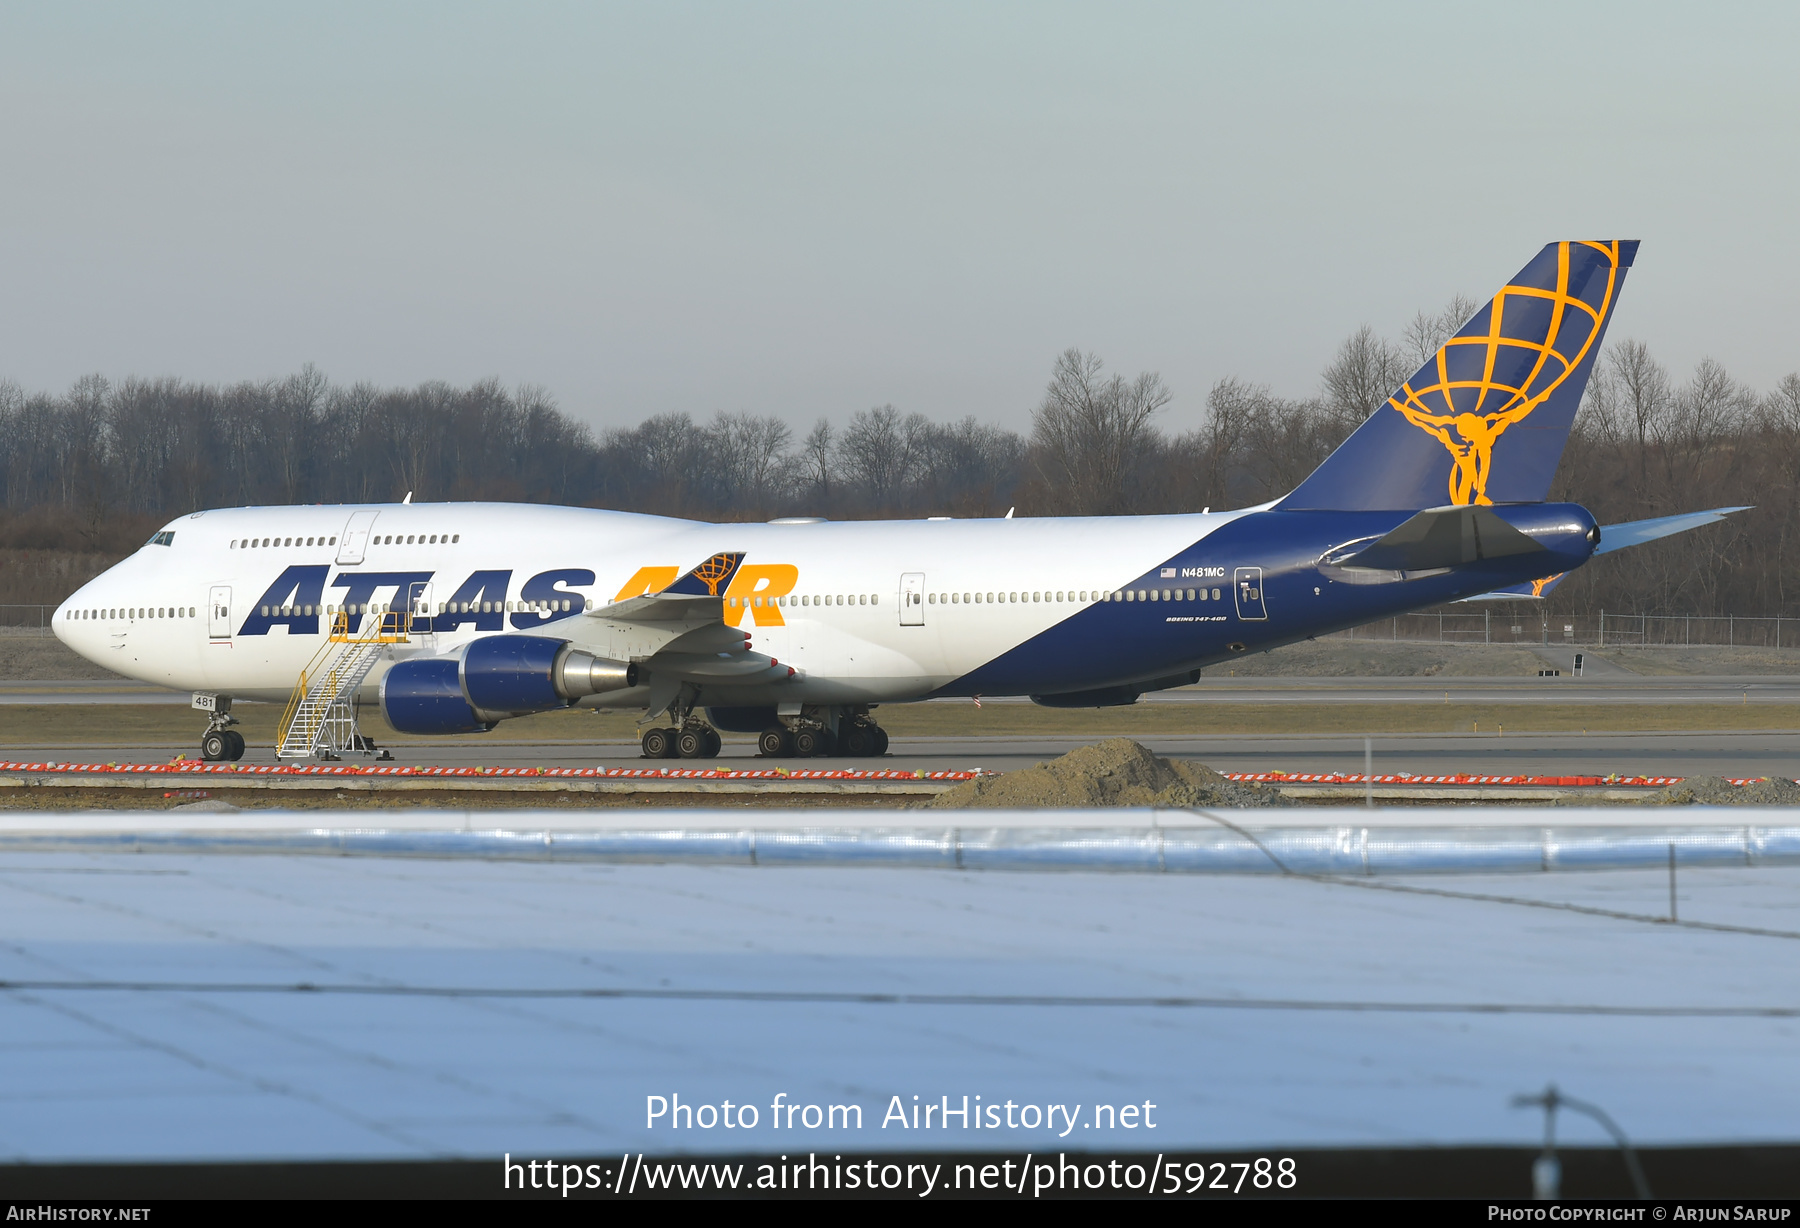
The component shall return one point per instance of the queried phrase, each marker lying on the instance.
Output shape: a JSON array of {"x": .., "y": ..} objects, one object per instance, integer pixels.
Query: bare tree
[
  {"x": 1232, "y": 408},
  {"x": 966, "y": 468},
  {"x": 1365, "y": 373},
  {"x": 1089, "y": 432},
  {"x": 880, "y": 453},
  {"x": 1426, "y": 335},
  {"x": 817, "y": 453},
  {"x": 751, "y": 463},
  {"x": 1643, "y": 389}
]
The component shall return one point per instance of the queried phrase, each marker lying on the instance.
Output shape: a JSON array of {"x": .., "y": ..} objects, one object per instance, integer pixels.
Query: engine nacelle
[
  {"x": 427, "y": 697},
  {"x": 512, "y": 675},
  {"x": 494, "y": 678},
  {"x": 580, "y": 673}
]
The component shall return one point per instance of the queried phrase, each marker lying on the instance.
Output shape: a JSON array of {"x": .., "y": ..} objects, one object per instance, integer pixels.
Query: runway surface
[
  {"x": 1565, "y": 754},
  {"x": 163, "y": 1007}
]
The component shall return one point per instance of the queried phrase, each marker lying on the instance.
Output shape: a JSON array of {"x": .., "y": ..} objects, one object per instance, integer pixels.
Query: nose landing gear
[{"x": 220, "y": 741}]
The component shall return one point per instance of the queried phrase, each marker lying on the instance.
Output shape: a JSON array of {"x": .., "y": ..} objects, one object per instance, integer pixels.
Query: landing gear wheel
[
  {"x": 775, "y": 742},
  {"x": 714, "y": 744},
  {"x": 235, "y": 751},
  {"x": 881, "y": 740},
  {"x": 858, "y": 742},
  {"x": 811, "y": 742},
  {"x": 691, "y": 744},
  {"x": 214, "y": 747},
  {"x": 659, "y": 744}
]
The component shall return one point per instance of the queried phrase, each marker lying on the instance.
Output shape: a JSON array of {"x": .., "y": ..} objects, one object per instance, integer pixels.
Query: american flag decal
[{"x": 1168, "y": 573}]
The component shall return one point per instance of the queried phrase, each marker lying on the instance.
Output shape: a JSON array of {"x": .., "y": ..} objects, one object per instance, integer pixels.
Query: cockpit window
[{"x": 165, "y": 538}]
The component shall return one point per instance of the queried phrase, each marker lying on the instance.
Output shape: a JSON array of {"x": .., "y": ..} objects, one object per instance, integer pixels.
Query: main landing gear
[
  {"x": 220, "y": 742},
  {"x": 692, "y": 741},
  {"x": 857, "y": 737}
]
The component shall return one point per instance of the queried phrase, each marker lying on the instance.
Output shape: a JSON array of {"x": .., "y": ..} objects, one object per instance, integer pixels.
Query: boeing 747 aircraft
[{"x": 453, "y": 617}]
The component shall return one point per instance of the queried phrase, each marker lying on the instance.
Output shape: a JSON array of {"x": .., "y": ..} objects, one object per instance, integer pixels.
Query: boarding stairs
[{"x": 320, "y": 720}]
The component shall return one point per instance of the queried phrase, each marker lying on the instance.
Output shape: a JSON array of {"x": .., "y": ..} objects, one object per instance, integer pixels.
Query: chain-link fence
[
  {"x": 1602, "y": 630},
  {"x": 25, "y": 619}
]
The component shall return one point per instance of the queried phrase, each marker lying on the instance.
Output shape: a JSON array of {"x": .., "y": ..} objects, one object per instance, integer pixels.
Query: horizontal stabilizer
[
  {"x": 1534, "y": 591},
  {"x": 1444, "y": 537},
  {"x": 1637, "y": 532},
  {"x": 1614, "y": 537}
]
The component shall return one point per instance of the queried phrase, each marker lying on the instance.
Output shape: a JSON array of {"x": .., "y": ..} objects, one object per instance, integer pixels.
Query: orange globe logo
[{"x": 1504, "y": 364}]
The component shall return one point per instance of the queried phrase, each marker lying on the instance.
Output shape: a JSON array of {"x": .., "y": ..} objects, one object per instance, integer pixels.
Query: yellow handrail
[{"x": 387, "y": 628}]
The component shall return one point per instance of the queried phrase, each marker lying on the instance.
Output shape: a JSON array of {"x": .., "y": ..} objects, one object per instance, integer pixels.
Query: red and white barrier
[{"x": 346, "y": 769}]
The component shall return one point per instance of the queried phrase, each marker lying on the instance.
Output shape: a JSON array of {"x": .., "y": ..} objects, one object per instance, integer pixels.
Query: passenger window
[
  {"x": 456, "y": 538},
  {"x": 332, "y": 542},
  {"x": 1215, "y": 594}
]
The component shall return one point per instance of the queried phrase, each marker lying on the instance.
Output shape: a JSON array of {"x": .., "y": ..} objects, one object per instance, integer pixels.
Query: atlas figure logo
[{"x": 1505, "y": 363}]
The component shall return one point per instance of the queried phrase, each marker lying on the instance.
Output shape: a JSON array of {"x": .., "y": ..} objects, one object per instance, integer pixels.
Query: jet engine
[{"x": 492, "y": 679}]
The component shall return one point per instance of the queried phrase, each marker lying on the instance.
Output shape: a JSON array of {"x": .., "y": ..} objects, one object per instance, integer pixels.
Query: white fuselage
[{"x": 826, "y": 598}]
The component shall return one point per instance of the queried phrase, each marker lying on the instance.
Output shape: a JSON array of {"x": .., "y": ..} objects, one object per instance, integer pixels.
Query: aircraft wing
[
  {"x": 1615, "y": 537},
  {"x": 681, "y": 633}
]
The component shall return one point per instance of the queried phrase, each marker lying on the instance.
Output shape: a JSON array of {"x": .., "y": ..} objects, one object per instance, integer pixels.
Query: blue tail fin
[{"x": 1486, "y": 419}]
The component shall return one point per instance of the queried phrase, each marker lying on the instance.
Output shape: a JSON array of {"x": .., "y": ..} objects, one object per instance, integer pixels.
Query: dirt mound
[
  {"x": 1116, "y": 772},
  {"x": 1717, "y": 791}
]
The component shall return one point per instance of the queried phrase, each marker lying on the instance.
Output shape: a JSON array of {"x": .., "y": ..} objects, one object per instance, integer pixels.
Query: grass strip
[{"x": 73, "y": 725}]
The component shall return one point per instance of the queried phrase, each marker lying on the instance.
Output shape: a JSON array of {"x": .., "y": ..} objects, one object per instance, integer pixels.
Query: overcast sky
[{"x": 808, "y": 210}]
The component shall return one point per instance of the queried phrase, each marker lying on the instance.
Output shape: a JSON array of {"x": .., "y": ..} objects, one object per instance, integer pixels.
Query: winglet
[{"x": 708, "y": 579}]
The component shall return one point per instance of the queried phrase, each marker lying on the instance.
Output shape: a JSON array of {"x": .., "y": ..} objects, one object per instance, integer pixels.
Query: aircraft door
[
  {"x": 355, "y": 538},
  {"x": 912, "y": 599},
  {"x": 218, "y": 612},
  {"x": 1247, "y": 587},
  {"x": 419, "y": 610}
]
